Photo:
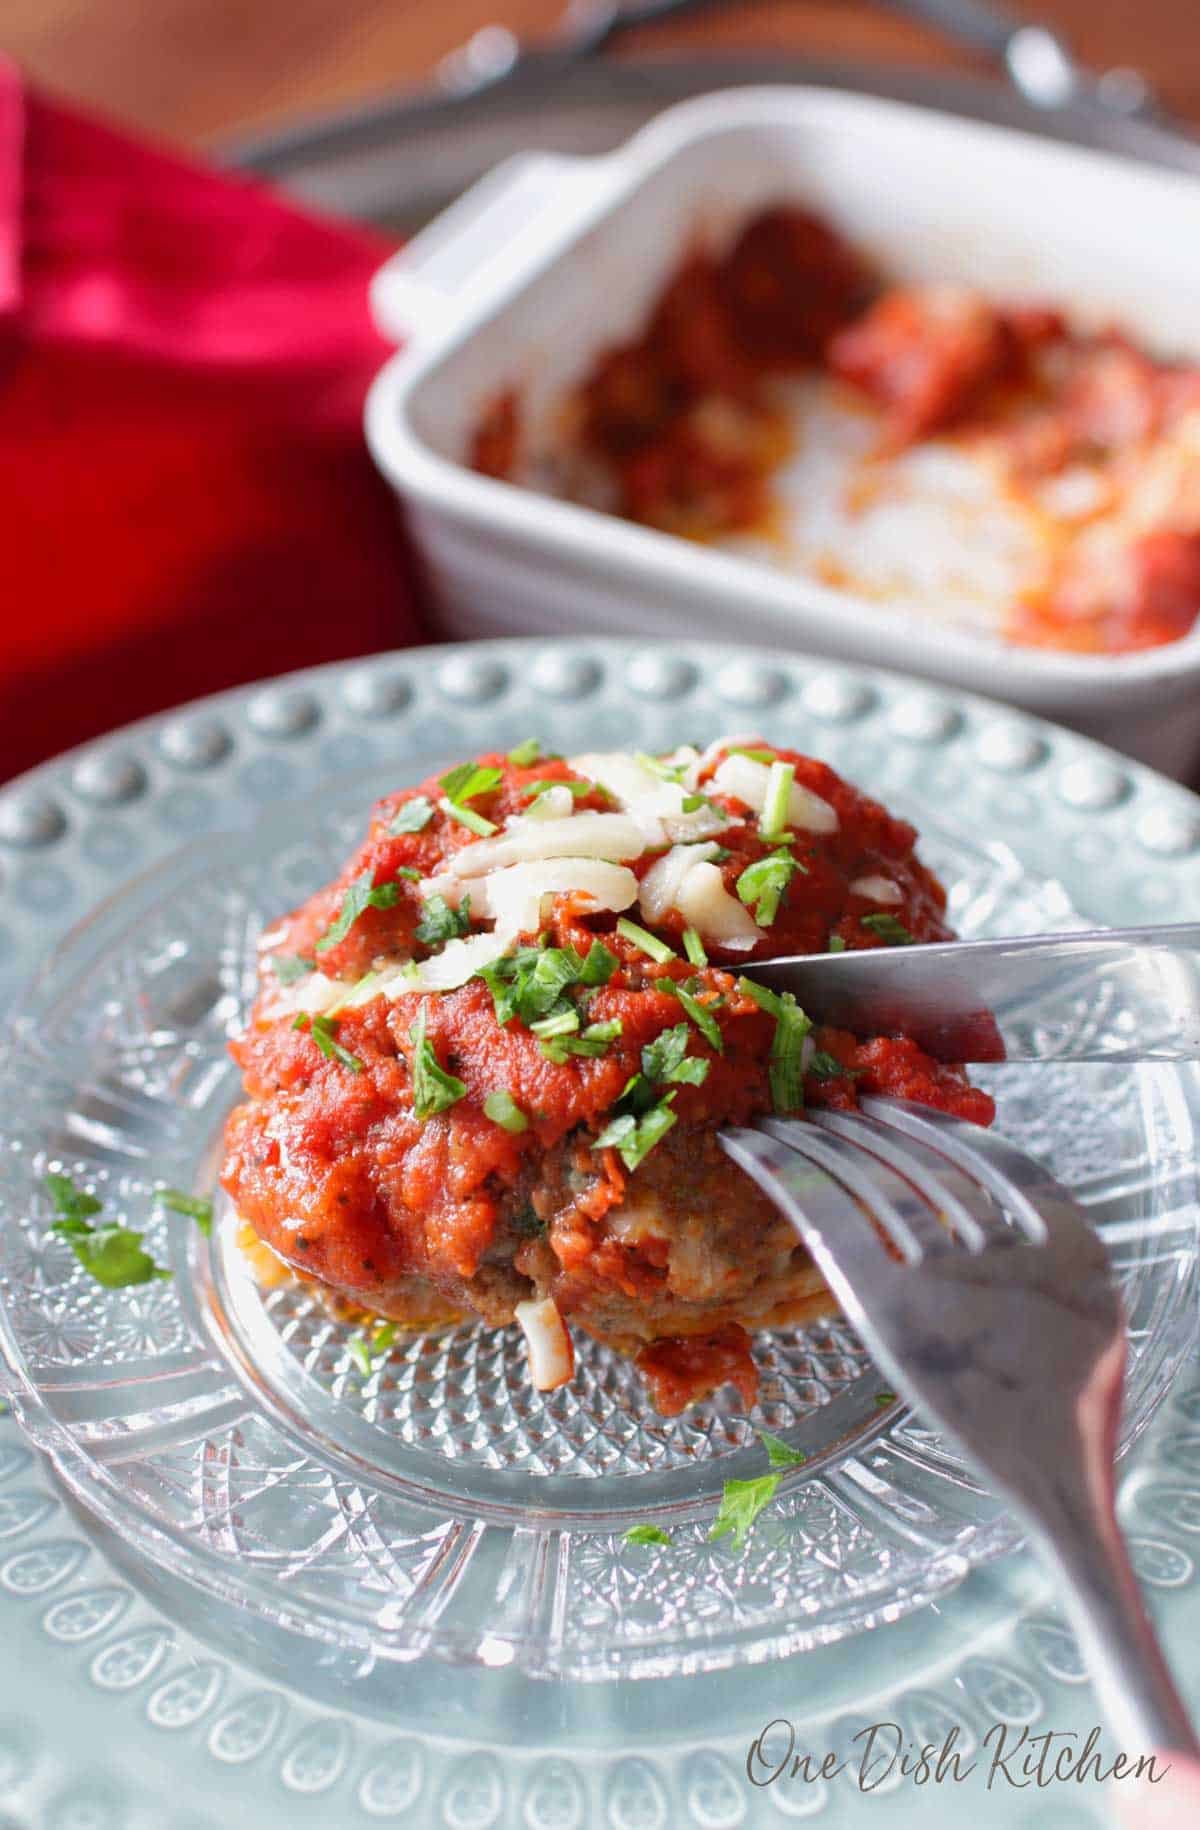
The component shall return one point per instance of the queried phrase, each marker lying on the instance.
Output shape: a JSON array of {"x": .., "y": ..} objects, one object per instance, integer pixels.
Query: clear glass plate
[{"x": 441, "y": 1504}]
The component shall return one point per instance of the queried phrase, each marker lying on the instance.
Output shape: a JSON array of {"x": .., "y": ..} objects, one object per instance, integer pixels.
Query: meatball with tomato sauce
[{"x": 487, "y": 1064}]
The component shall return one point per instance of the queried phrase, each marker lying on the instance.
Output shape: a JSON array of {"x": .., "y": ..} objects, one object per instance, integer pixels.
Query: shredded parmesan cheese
[
  {"x": 877, "y": 889},
  {"x": 551, "y": 1356},
  {"x": 746, "y": 780}
]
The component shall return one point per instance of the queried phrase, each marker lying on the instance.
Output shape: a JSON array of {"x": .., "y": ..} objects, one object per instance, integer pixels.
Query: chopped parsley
[
  {"x": 504, "y": 1111},
  {"x": 364, "y": 893},
  {"x": 598, "y": 965},
  {"x": 288, "y": 967},
  {"x": 827, "y": 1067},
  {"x": 526, "y": 754},
  {"x": 704, "y": 1020},
  {"x": 646, "y": 1534},
  {"x": 692, "y": 803},
  {"x": 323, "y": 1030},
  {"x": 889, "y": 930},
  {"x": 667, "y": 1059},
  {"x": 467, "y": 816},
  {"x": 649, "y": 943},
  {"x": 530, "y": 982},
  {"x": 414, "y": 816},
  {"x": 366, "y": 1349},
  {"x": 786, "y": 1068},
  {"x": 434, "y": 1089},
  {"x": 773, "y": 818},
  {"x": 758, "y": 756},
  {"x": 741, "y": 1503},
  {"x": 836, "y": 944},
  {"x": 657, "y": 765},
  {"x": 779, "y": 1453},
  {"x": 578, "y": 789},
  {"x": 559, "y": 1023},
  {"x": 468, "y": 782},
  {"x": 440, "y": 923},
  {"x": 594, "y": 1040},
  {"x": 633, "y": 1138},
  {"x": 114, "y": 1255},
  {"x": 196, "y": 1207},
  {"x": 885, "y": 1398},
  {"x": 693, "y": 946},
  {"x": 765, "y": 884}
]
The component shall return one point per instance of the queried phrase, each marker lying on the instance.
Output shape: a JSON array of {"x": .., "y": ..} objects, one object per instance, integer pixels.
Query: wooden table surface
[{"x": 197, "y": 71}]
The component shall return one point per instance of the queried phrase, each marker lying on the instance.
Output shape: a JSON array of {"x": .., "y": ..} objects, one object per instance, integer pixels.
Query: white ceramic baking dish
[{"x": 549, "y": 259}]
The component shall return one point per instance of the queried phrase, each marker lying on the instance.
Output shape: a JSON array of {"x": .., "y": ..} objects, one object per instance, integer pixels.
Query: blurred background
[{"x": 207, "y": 72}]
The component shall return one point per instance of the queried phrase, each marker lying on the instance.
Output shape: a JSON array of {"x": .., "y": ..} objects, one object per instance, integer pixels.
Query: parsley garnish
[
  {"x": 594, "y": 1040},
  {"x": 323, "y": 1030},
  {"x": 836, "y": 944},
  {"x": 467, "y": 816},
  {"x": 530, "y": 982},
  {"x": 364, "y": 893},
  {"x": 773, "y": 818},
  {"x": 758, "y": 756},
  {"x": 693, "y": 946},
  {"x": 646, "y": 1534},
  {"x": 526, "y": 754},
  {"x": 885, "y": 1398},
  {"x": 765, "y": 883},
  {"x": 665, "y": 771},
  {"x": 359, "y": 1350},
  {"x": 114, "y": 1255},
  {"x": 786, "y": 1069},
  {"x": 434, "y": 1089},
  {"x": 893, "y": 932},
  {"x": 559, "y": 1023},
  {"x": 469, "y": 781},
  {"x": 196, "y": 1207},
  {"x": 598, "y": 965},
  {"x": 414, "y": 816},
  {"x": 667, "y": 1059},
  {"x": 741, "y": 1503},
  {"x": 365, "y": 1350},
  {"x": 649, "y": 943},
  {"x": 504, "y": 1111},
  {"x": 779, "y": 1453},
  {"x": 439, "y": 922},
  {"x": 578, "y": 789},
  {"x": 704, "y": 1020},
  {"x": 288, "y": 967},
  {"x": 633, "y": 1138},
  {"x": 827, "y": 1067}
]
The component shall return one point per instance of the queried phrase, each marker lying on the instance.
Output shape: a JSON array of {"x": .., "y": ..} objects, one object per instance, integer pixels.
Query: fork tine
[
  {"x": 1041, "y": 1206},
  {"x": 839, "y": 1234},
  {"x": 958, "y": 1205},
  {"x": 904, "y": 1213}
]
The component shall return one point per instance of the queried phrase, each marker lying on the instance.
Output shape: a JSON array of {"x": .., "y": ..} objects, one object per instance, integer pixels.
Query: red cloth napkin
[{"x": 185, "y": 498}]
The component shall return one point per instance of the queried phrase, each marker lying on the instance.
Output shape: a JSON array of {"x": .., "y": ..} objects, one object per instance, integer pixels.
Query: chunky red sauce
[
  {"x": 334, "y": 1168},
  {"x": 684, "y": 420}
]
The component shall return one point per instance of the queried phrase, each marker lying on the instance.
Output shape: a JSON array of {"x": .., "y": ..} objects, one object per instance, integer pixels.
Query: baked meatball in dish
[{"x": 486, "y": 1066}]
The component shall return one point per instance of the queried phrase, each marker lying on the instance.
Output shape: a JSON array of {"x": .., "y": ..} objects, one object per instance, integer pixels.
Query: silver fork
[{"x": 994, "y": 1314}]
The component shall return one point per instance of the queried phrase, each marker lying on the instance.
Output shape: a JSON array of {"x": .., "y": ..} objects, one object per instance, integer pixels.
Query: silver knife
[{"x": 1114, "y": 994}]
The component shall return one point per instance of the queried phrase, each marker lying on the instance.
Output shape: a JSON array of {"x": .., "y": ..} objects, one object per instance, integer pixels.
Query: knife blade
[{"x": 1112, "y": 994}]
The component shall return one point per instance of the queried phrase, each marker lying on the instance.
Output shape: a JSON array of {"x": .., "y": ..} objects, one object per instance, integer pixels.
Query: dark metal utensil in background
[{"x": 399, "y": 159}]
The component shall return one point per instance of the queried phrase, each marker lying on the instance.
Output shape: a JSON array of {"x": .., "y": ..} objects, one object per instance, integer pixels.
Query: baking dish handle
[{"x": 496, "y": 229}]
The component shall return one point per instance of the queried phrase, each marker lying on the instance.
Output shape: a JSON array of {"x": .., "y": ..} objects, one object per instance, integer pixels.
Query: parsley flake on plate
[
  {"x": 741, "y": 1503},
  {"x": 114, "y": 1255},
  {"x": 646, "y": 1534},
  {"x": 779, "y": 1453},
  {"x": 364, "y": 893},
  {"x": 196, "y": 1207},
  {"x": 434, "y": 1089}
]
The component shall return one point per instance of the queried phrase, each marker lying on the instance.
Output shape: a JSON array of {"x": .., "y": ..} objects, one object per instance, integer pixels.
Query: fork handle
[{"x": 1119, "y": 1645}]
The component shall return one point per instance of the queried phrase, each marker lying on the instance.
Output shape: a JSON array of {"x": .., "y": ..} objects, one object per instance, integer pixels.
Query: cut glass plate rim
[{"x": 210, "y": 1571}]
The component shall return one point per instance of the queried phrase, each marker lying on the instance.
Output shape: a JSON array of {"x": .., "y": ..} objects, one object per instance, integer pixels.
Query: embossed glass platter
[{"x": 438, "y": 1509}]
